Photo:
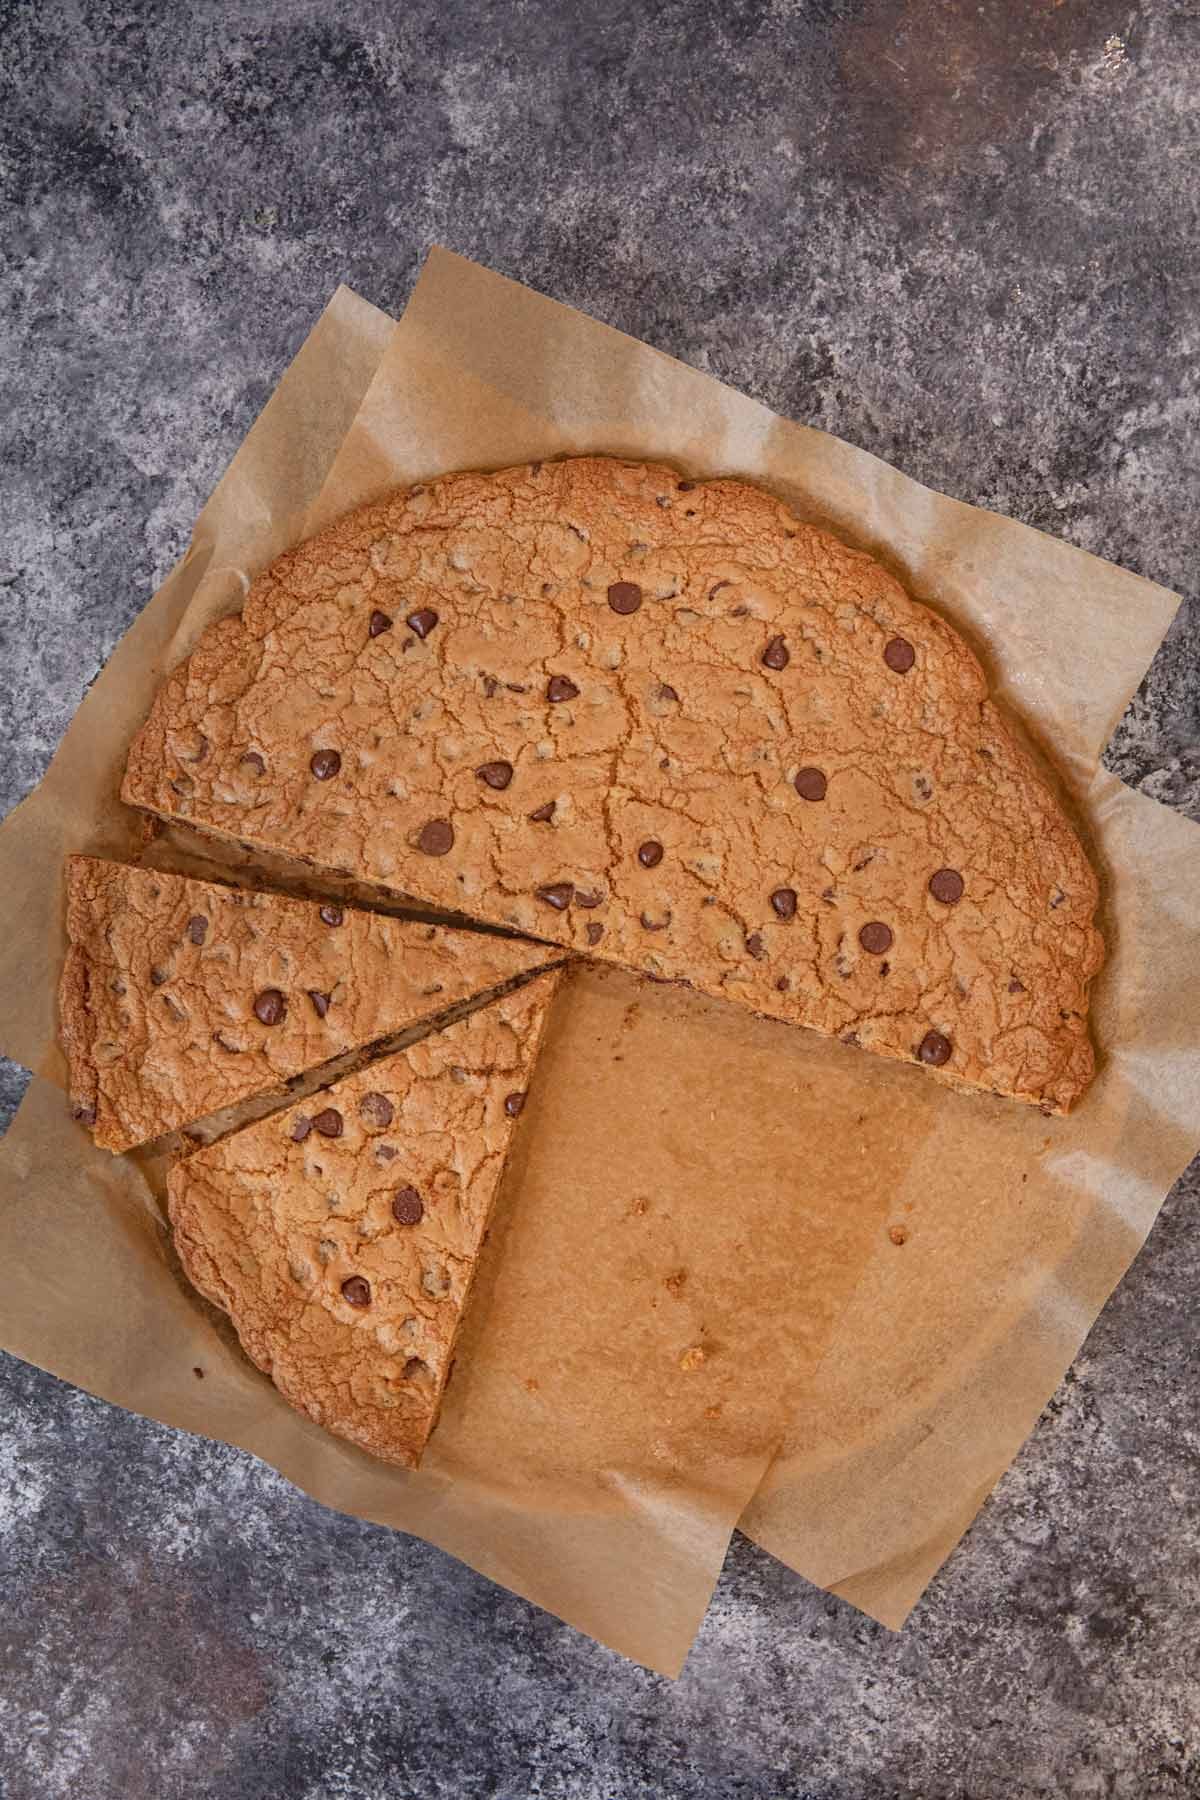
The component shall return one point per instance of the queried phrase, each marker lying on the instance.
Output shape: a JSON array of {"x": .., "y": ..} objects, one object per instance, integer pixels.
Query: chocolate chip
[
  {"x": 1015, "y": 986},
  {"x": 934, "y": 1049},
  {"x": 385, "y": 1153},
  {"x": 650, "y": 854},
  {"x": 197, "y": 928},
  {"x": 325, "y": 764},
  {"x": 685, "y": 487},
  {"x": 594, "y": 933},
  {"x": 320, "y": 1002},
  {"x": 422, "y": 622},
  {"x": 300, "y": 1130},
  {"x": 496, "y": 774},
  {"x": 332, "y": 915},
  {"x": 899, "y": 655},
  {"x": 624, "y": 597},
  {"x": 380, "y": 622},
  {"x": 810, "y": 784},
  {"x": 666, "y": 691},
  {"x": 541, "y": 815},
  {"x": 783, "y": 901},
  {"x": 356, "y": 1291},
  {"x": 516, "y": 687},
  {"x": 158, "y": 976},
  {"x": 649, "y": 924},
  {"x": 776, "y": 655},
  {"x": 947, "y": 886},
  {"x": 558, "y": 895},
  {"x": 408, "y": 1208},
  {"x": 376, "y": 1109},
  {"x": 755, "y": 946},
  {"x": 270, "y": 1007},
  {"x": 783, "y": 984},
  {"x": 254, "y": 761},
  {"x": 436, "y": 837},
  {"x": 875, "y": 937},
  {"x": 491, "y": 686},
  {"x": 513, "y": 1104},
  {"x": 328, "y": 1122},
  {"x": 559, "y": 687},
  {"x": 588, "y": 900},
  {"x": 85, "y": 1114}
]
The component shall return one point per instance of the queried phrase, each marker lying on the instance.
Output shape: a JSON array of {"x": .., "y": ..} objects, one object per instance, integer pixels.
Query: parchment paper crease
[{"x": 683, "y": 1176}]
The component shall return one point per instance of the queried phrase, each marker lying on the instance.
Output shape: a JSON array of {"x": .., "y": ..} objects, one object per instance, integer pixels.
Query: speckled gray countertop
[{"x": 963, "y": 235}]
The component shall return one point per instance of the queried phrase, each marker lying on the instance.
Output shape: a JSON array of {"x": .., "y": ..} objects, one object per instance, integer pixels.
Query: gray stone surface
[{"x": 963, "y": 235}]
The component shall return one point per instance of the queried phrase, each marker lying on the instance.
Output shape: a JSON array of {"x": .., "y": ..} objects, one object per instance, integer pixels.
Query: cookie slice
[
  {"x": 341, "y": 1235},
  {"x": 665, "y": 723},
  {"x": 180, "y": 997}
]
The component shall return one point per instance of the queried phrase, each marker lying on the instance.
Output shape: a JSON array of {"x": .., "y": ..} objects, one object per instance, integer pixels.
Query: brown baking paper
[{"x": 684, "y": 1177}]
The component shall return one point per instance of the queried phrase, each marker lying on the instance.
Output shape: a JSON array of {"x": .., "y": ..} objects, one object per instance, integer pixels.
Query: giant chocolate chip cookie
[{"x": 664, "y": 723}]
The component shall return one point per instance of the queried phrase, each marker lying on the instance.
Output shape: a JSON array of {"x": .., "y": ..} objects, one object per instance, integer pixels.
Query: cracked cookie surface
[
  {"x": 342, "y": 1234},
  {"x": 666, "y": 724},
  {"x": 179, "y": 997}
]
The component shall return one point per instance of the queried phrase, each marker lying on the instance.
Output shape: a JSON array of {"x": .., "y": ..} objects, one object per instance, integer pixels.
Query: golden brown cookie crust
[
  {"x": 180, "y": 997},
  {"x": 341, "y": 1235},
  {"x": 741, "y": 756}
]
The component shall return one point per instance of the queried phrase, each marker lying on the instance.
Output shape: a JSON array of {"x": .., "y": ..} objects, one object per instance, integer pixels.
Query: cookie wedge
[
  {"x": 181, "y": 997},
  {"x": 341, "y": 1235}
]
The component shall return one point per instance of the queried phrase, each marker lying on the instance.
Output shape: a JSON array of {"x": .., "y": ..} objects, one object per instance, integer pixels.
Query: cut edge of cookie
[
  {"x": 227, "y": 1121},
  {"x": 78, "y": 1021}
]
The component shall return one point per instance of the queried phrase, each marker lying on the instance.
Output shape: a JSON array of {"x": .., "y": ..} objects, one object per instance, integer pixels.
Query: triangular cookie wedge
[
  {"x": 341, "y": 1235},
  {"x": 180, "y": 997},
  {"x": 661, "y": 722}
]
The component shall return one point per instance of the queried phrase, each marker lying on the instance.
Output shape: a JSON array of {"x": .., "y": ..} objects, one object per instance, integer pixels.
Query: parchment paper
[{"x": 684, "y": 1176}]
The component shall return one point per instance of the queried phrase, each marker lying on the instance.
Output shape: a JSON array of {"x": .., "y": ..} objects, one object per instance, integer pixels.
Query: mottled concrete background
[{"x": 961, "y": 234}]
